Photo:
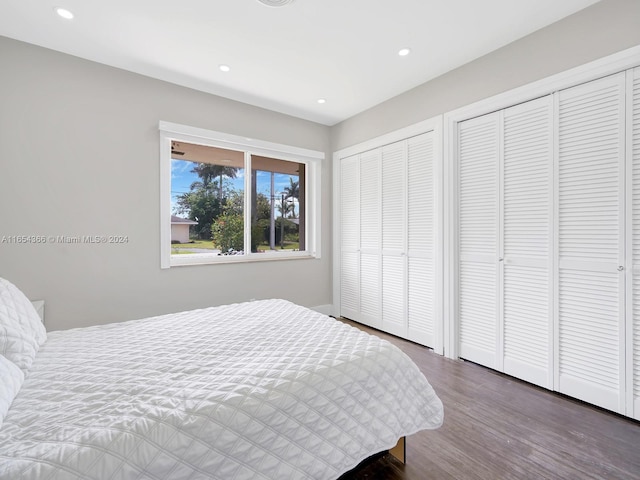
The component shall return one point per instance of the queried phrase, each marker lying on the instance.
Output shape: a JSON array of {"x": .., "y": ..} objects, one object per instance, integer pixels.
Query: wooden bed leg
[{"x": 400, "y": 450}]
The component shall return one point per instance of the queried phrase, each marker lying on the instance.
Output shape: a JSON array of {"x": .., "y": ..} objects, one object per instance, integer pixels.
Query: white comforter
[{"x": 260, "y": 390}]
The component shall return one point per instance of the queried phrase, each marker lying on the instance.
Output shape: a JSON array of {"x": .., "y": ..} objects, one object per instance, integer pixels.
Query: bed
[{"x": 258, "y": 390}]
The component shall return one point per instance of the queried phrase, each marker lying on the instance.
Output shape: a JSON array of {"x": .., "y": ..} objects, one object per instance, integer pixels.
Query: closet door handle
[{"x": 620, "y": 268}]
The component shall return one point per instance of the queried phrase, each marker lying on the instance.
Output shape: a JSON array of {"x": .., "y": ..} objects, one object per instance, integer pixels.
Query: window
[{"x": 231, "y": 199}]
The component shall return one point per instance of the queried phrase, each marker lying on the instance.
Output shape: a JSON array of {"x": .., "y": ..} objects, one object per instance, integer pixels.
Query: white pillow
[
  {"x": 16, "y": 310},
  {"x": 18, "y": 346},
  {"x": 12, "y": 378}
]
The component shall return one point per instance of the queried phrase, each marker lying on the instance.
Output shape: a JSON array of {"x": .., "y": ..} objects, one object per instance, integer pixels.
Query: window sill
[{"x": 213, "y": 259}]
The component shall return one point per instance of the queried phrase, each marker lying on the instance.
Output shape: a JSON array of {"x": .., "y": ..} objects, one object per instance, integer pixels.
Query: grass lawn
[
  {"x": 208, "y": 244},
  {"x": 185, "y": 248}
]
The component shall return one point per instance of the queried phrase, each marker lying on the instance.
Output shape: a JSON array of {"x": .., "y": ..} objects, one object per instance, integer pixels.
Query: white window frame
[{"x": 313, "y": 173}]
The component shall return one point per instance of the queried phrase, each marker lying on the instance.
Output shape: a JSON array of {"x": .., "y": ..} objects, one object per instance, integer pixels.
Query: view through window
[{"x": 209, "y": 213}]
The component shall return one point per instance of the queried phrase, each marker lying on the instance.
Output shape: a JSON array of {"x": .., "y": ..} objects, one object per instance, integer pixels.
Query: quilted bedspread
[{"x": 258, "y": 390}]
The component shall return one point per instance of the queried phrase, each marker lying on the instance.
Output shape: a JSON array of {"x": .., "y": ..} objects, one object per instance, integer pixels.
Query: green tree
[
  {"x": 200, "y": 207},
  {"x": 292, "y": 192},
  {"x": 227, "y": 230},
  {"x": 260, "y": 221},
  {"x": 286, "y": 207},
  {"x": 206, "y": 197},
  {"x": 209, "y": 171}
]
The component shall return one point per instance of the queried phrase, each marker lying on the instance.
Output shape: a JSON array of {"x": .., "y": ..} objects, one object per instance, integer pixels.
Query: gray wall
[
  {"x": 79, "y": 155},
  {"x": 602, "y": 29}
]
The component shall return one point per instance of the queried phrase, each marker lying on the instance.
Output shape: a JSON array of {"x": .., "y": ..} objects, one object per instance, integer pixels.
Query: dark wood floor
[{"x": 497, "y": 427}]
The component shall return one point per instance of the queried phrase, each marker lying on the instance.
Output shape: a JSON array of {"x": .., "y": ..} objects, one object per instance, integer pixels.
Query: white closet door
[
  {"x": 633, "y": 253},
  {"x": 527, "y": 241},
  {"x": 421, "y": 240},
  {"x": 370, "y": 239},
  {"x": 349, "y": 238},
  {"x": 478, "y": 187},
  {"x": 394, "y": 239},
  {"x": 590, "y": 175}
]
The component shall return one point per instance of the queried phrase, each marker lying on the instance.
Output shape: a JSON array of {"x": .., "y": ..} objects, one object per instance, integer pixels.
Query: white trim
[
  {"x": 247, "y": 201},
  {"x": 311, "y": 158},
  {"x": 335, "y": 240},
  {"x": 611, "y": 64},
  {"x": 629, "y": 272},
  {"x": 602, "y": 67},
  {"x": 499, "y": 186},
  {"x": 209, "y": 259},
  {"x": 165, "y": 200},
  {"x": 438, "y": 173},
  {"x": 451, "y": 259},
  {"x": 314, "y": 208},
  {"x": 236, "y": 142},
  {"x": 391, "y": 137}
]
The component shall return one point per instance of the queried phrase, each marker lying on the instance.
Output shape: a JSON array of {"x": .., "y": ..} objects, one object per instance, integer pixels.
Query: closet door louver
[
  {"x": 370, "y": 238},
  {"x": 388, "y": 238},
  {"x": 421, "y": 240},
  {"x": 394, "y": 238},
  {"x": 527, "y": 241},
  {"x": 349, "y": 238},
  {"x": 633, "y": 320},
  {"x": 590, "y": 175},
  {"x": 478, "y": 187}
]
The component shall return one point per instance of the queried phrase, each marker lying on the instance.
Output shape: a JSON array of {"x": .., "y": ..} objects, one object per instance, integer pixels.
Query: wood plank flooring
[{"x": 497, "y": 427}]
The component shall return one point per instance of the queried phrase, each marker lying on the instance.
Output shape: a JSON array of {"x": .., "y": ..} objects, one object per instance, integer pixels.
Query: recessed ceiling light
[
  {"x": 64, "y": 13},
  {"x": 322, "y": 100},
  {"x": 403, "y": 52},
  {"x": 224, "y": 68}
]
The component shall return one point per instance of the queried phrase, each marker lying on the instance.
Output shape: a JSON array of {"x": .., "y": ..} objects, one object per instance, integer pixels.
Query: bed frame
[{"x": 400, "y": 450}]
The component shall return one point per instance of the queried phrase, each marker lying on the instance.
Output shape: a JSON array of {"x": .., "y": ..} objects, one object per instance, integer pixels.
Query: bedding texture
[
  {"x": 258, "y": 390},
  {"x": 12, "y": 378},
  {"x": 21, "y": 330}
]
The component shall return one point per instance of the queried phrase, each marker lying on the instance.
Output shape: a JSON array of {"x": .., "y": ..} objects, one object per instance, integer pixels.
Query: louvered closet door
[
  {"x": 527, "y": 241},
  {"x": 478, "y": 177},
  {"x": 370, "y": 239},
  {"x": 394, "y": 239},
  {"x": 633, "y": 320},
  {"x": 421, "y": 240},
  {"x": 590, "y": 317},
  {"x": 349, "y": 238}
]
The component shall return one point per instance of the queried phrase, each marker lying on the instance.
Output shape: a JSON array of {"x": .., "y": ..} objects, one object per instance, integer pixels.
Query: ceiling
[{"x": 285, "y": 58}]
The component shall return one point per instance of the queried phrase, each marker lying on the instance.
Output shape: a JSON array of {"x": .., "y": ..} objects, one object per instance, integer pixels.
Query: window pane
[
  {"x": 278, "y": 205},
  {"x": 207, "y": 200}
]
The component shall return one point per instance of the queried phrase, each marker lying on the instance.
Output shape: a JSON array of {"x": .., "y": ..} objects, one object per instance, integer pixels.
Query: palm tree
[
  {"x": 208, "y": 171},
  {"x": 286, "y": 208},
  {"x": 293, "y": 192}
]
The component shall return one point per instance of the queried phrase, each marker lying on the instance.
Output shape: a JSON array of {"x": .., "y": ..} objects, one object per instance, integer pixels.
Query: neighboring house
[{"x": 180, "y": 229}]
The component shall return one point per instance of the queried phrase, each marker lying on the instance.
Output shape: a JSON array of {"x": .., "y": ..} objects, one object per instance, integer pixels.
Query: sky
[{"x": 182, "y": 178}]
